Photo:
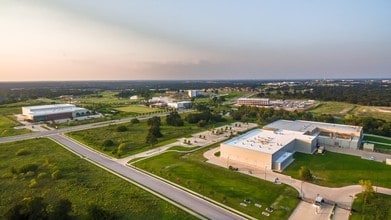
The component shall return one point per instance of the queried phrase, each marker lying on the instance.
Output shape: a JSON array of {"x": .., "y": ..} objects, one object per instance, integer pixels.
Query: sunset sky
[{"x": 202, "y": 39}]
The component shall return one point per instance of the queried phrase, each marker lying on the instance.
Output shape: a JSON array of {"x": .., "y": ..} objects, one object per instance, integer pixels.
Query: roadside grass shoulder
[
  {"x": 82, "y": 183},
  {"x": 336, "y": 170},
  {"x": 227, "y": 187}
]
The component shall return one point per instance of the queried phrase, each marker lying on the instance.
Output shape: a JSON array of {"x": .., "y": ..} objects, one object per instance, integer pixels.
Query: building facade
[
  {"x": 253, "y": 102},
  {"x": 273, "y": 146},
  {"x": 53, "y": 112}
]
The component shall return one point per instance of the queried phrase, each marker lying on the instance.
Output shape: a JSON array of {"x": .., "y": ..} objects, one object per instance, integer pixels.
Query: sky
[{"x": 204, "y": 39}]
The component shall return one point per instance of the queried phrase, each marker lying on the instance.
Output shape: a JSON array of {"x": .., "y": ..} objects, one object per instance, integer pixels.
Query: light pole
[{"x": 301, "y": 189}]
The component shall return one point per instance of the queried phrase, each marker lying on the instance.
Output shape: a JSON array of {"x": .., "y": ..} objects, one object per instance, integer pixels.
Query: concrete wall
[
  {"x": 247, "y": 157},
  {"x": 305, "y": 145}
]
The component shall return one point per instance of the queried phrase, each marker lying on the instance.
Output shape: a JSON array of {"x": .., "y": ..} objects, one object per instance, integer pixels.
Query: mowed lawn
[
  {"x": 378, "y": 141},
  {"x": 134, "y": 137},
  {"x": 81, "y": 182},
  {"x": 336, "y": 170},
  {"x": 228, "y": 187},
  {"x": 138, "y": 109}
]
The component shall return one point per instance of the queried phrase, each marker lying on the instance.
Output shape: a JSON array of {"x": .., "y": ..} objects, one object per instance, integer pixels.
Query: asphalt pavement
[{"x": 190, "y": 201}]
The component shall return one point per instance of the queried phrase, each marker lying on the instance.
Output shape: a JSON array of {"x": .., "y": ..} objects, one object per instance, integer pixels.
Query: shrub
[
  {"x": 33, "y": 183},
  {"x": 28, "y": 167},
  {"x": 108, "y": 143},
  {"x": 22, "y": 152},
  {"x": 305, "y": 174},
  {"x": 134, "y": 121},
  {"x": 56, "y": 175},
  {"x": 30, "y": 174},
  {"x": 42, "y": 175},
  {"x": 122, "y": 128}
]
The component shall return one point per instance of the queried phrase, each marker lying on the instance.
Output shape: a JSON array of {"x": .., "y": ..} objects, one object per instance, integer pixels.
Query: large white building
[
  {"x": 53, "y": 112},
  {"x": 273, "y": 146},
  {"x": 193, "y": 93},
  {"x": 180, "y": 105}
]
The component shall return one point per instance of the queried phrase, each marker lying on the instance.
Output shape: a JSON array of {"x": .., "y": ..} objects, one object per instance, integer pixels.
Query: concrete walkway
[
  {"x": 342, "y": 196},
  {"x": 201, "y": 139}
]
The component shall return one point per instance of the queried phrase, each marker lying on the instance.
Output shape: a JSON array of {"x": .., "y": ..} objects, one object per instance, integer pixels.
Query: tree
[
  {"x": 154, "y": 121},
  {"x": 134, "y": 121},
  {"x": 174, "y": 119},
  {"x": 305, "y": 174},
  {"x": 122, "y": 128},
  {"x": 108, "y": 143}
]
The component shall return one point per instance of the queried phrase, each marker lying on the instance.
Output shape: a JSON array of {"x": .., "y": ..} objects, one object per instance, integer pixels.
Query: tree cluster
[
  {"x": 364, "y": 94},
  {"x": 154, "y": 130},
  {"x": 267, "y": 115},
  {"x": 174, "y": 119},
  {"x": 205, "y": 117}
]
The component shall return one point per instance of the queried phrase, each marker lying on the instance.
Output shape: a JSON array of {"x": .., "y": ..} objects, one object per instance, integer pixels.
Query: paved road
[
  {"x": 70, "y": 129},
  {"x": 179, "y": 196}
]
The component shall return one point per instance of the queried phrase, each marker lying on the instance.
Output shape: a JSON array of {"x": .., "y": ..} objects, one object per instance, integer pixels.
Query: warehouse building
[
  {"x": 180, "y": 105},
  {"x": 273, "y": 146},
  {"x": 53, "y": 112}
]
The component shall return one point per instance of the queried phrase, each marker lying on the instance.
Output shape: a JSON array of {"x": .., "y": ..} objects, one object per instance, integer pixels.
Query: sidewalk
[{"x": 201, "y": 139}]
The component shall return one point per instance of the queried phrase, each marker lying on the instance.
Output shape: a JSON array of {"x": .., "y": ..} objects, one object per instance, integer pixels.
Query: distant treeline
[
  {"x": 370, "y": 94},
  {"x": 17, "y": 95},
  {"x": 267, "y": 115}
]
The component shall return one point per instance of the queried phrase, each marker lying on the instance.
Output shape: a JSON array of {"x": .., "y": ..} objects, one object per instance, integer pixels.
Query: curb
[{"x": 134, "y": 183}]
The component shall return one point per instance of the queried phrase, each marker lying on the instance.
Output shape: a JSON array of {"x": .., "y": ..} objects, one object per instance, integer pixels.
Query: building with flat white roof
[
  {"x": 345, "y": 136},
  {"x": 273, "y": 146},
  {"x": 53, "y": 112}
]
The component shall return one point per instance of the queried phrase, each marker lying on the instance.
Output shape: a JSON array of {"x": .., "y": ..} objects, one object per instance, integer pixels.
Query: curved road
[{"x": 192, "y": 202}]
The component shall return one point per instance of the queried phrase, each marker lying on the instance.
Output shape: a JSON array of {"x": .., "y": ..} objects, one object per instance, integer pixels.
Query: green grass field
[
  {"x": 373, "y": 111},
  {"x": 134, "y": 137},
  {"x": 377, "y": 207},
  {"x": 228, "y": 187},
  {"x": 336, "y": 170},
  {"x": 333, "y": 108},
  {"x": 106, "y": 97},
  {"x": 138, "y": 109},
  {"x": 343, "y": 108},
  {"x": 8, "y": 121},
  {"x": 82, "y": 183}
]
